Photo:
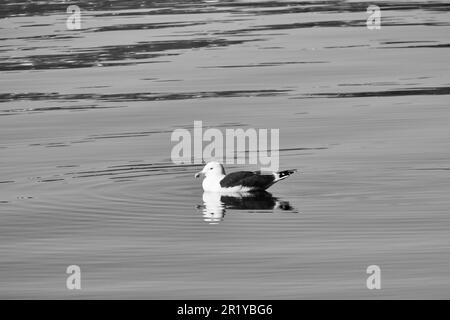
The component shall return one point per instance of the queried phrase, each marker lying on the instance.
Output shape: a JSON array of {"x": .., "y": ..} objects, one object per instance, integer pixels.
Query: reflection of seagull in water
[
  {"x": 215, "y": 204},
  {"x": 241, "y": 181}
]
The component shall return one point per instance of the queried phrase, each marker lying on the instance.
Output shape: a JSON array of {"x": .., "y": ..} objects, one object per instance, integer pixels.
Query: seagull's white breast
[{"x": 212, "y": 184}]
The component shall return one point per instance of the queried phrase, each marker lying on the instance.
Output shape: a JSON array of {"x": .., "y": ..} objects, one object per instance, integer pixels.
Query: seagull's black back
[{"x": 254, "y": 180}]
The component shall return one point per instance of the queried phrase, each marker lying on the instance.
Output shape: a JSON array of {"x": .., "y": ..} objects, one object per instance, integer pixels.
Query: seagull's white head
[{"x": 212, "y": 168}]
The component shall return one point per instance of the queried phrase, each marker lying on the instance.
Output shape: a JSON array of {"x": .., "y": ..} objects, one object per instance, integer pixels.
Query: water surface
[{"x": 85, "y": 171}]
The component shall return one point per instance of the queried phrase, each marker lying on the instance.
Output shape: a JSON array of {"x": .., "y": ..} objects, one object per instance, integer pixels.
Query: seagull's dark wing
[{"x": 254, "y": 180}]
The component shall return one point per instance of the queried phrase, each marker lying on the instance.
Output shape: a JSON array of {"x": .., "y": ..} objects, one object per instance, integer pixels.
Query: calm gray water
[{"x": 86, "y": 176}]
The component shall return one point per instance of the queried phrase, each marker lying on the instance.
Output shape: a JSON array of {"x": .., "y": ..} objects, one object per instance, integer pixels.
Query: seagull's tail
[{"x": 280, "y": 175}]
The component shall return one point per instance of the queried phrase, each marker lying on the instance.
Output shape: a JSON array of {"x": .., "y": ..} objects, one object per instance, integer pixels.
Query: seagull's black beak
[{"x": 198, "y": 174}]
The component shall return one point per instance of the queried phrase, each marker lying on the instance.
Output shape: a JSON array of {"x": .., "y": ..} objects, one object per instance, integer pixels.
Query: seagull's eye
[{"x": 210, "y": 168}]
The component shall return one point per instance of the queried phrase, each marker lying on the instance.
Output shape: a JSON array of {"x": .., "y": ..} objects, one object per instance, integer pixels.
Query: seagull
[{"x": 240, "y": 181}]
